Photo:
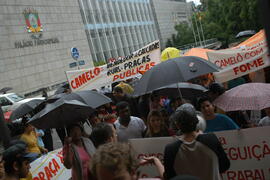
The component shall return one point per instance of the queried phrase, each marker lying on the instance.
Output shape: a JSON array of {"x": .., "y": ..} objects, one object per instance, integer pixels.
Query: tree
[
  {"x": 184, "y": 36},
  {"x": 225, "y": 18},
  {"x": 221, "y": 19}
]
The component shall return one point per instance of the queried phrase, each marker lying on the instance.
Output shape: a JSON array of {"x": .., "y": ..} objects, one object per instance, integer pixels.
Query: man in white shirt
[
  {"x": 266, "y": 120},
  {"x": 127, "y": 126}
]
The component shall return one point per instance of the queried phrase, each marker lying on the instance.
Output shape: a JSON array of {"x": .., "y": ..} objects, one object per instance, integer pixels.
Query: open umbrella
[
  {"x": 25, "y": 108},
  {"x": 170, "y": 53},
  {"x": 250, "y": 96},
  {"x": 173, "y": 71},
  {"x": 50, "y": 99},
  {"x": 60, "y": 114},
  {"x": 188, "y": 90},
  {"x": 91, "y": 98}
]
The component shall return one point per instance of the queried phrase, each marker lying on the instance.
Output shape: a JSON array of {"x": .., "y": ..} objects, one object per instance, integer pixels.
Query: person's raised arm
[{"x": 67, "y": 153}]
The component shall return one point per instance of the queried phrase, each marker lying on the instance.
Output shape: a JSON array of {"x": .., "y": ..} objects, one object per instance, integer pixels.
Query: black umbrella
[
  {"x": 25, "y": 108},
  {"x": 60, "y": 114},
  {"x": 50, "y": 99},
  {"x": 173, "y": 71},
  {"x": 188, "y": 90},
  {"x": 91, "y": 98}
]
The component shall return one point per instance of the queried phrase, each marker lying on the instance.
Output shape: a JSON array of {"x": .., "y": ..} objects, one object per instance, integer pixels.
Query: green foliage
[
  {"x": 222, "y": 19},
  {"x": 184, "y": 36},
  {"x": 99, "y": 63}
]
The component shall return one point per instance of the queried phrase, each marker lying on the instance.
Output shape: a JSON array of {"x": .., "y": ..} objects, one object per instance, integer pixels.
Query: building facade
[
  {"x": 36, "y": 35},
  {"x": 170, "y": 13},
  {"x": 118, "y": 27},
  {"x": 35, "y": 41}
]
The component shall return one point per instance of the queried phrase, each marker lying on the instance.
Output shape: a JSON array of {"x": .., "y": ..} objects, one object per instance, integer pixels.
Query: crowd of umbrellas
[{"x": 169, "y": 77}]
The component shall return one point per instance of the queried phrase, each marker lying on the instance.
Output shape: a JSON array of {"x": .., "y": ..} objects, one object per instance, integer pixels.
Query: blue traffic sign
[{"x": 75, "y": 53}]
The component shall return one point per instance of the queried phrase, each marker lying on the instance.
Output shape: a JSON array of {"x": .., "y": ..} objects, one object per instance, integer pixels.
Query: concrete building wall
[
  {"x": 28, "y": 69},
  {"x": 169, "y": 13}
]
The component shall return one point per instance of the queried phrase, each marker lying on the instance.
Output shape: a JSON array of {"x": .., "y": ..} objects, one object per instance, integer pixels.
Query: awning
[{"x": 200, "y": 52}]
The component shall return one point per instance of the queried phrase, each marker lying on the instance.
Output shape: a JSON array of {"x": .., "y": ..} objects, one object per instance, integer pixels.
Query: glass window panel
[
  {"x": 120, "y": 52},
  {"x": 107, "y": 55},
  {"x": 96, "y": 44},
  {"x": 93, "y": 33},
  {"x": 114, "y": 53},
  {"x": 104, "y": 44}
]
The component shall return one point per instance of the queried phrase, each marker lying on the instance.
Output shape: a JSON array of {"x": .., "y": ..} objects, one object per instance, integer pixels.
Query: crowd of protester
[{"x": 104, "y": 152}]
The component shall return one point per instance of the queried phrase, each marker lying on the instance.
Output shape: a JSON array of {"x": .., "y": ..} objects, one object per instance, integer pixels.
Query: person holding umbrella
[{"x": 77, "y": 152}]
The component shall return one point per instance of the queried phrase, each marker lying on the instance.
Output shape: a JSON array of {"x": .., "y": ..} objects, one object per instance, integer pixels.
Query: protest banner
[
  {"x": 247, "y": 149},
  {"x": 238, "y": 62},
  {"x": 50, "y": 167},
  {"x": 119, "y": 70}
]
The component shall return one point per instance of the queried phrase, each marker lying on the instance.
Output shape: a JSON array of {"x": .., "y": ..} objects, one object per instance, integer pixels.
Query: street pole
[
  {"x": 194, "y": 35},
  {"x": 198, "y": 30},
  {"x": 200, "y": 20}
]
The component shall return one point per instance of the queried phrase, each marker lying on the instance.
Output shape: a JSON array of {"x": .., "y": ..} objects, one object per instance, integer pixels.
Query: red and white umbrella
[{"x": 250, "y": 96}]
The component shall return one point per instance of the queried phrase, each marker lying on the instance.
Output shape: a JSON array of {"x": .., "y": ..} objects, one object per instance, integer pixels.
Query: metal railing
[{"x": 201, "y": 44}]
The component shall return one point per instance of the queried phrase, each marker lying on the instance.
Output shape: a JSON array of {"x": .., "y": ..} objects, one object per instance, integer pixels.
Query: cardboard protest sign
[
  {"x": 247, "y": 149},
  {"x": 50, "y": 167},
  {"x": 119, "y": 70},
  {"x": 238, "y": 62},
  {"x": 147, "y": 147}
]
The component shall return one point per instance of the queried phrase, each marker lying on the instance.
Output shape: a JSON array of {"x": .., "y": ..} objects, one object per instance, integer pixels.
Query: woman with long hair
[{"x": 155, "y": 125}]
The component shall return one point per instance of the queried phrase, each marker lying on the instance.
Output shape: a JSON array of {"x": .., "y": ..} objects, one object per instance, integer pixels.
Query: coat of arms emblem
[{"x": 32, "y": 20}]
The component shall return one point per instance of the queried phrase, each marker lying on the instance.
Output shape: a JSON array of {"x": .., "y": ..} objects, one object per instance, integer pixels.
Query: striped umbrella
[{"x": 250, "y": 96}]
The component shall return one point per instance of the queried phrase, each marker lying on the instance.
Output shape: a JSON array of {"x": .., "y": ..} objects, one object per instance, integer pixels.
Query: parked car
[{"x": 10, "y": 101}]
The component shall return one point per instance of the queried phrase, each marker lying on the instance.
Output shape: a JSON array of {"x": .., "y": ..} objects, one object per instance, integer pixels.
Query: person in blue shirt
[{"x": 214, "y": 121}]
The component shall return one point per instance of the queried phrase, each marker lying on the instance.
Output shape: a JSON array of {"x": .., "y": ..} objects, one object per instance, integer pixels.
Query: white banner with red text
[
  {"x": 239, "y": 62},
  {"x": 119, "y": 70},
  {"x": 50, "y": 167},
  {"x": 247, "y": 149}
]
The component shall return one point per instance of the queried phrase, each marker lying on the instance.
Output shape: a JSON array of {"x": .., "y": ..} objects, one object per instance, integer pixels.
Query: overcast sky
[{"x": 195, "y": 1}]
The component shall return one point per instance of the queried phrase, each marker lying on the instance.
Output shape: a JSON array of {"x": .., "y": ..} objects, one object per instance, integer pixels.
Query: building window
[
  {"x": 107, "y": 55},
  {"x": 100, "y": 57},
  {"x": 120, "y": 30},
  {"x": 93, "y": 34}
]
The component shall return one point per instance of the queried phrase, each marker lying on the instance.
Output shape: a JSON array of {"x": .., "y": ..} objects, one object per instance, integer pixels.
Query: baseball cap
[{"x": 16, "y": 151}]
